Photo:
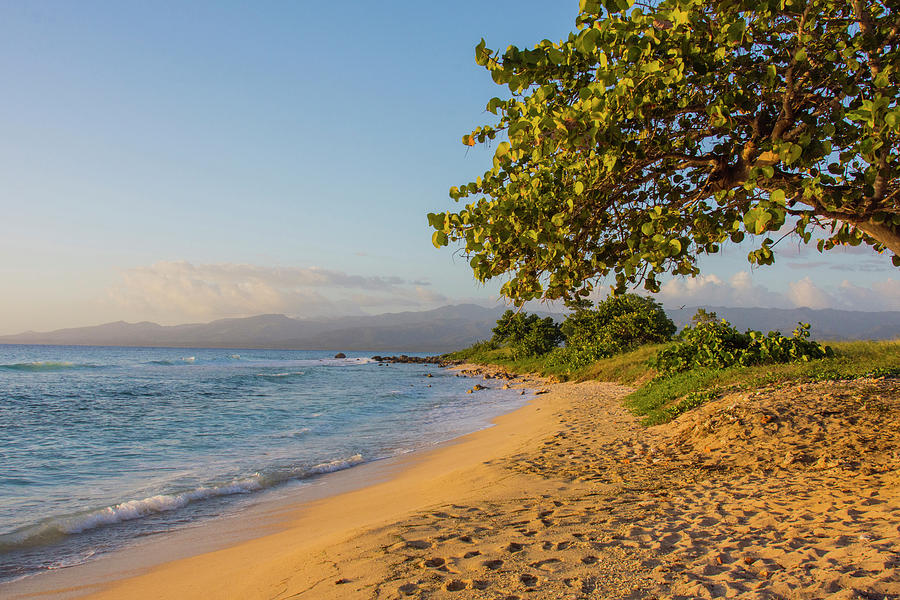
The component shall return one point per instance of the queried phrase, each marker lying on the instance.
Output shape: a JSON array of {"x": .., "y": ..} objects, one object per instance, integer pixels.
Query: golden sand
[{"x": 783, "y": 493}]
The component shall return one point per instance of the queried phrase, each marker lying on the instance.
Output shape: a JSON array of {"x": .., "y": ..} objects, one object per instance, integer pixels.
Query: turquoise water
[{"x": 100, "y": 447}]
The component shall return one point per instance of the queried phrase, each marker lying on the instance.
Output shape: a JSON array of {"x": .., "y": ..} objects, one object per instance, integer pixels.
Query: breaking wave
[
  {"x": 56, "y": 528},
  {"x": 47, "y": 365}
]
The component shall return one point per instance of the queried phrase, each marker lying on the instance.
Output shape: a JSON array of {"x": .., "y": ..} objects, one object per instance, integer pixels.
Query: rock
[
  {"x": 340, "y": 355},
  {"x": 477, "y": 387}
]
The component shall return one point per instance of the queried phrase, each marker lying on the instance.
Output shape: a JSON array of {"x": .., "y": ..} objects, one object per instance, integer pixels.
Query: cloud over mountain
[
  {"x": 741, "y": 291},
  {"x": 170, "y": 288}
]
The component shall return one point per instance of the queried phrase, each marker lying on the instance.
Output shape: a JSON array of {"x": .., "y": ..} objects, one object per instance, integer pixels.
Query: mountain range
[{"x": 439, "y": 330}]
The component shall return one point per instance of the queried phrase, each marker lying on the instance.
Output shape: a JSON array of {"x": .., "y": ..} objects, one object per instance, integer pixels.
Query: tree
[
  {"x": 617, "y": 324},
  {"x": 659, "y": 131},
  {"x": 704, "y": 316},
  {"x": 527, "y": 335}
]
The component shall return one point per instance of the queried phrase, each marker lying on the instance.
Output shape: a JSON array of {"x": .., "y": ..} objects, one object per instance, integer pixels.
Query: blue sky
[{"x": 183, "y": 162}]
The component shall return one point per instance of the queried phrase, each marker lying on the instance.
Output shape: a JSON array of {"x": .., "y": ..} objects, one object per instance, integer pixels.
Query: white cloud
[
  {"x": 883, "y": 295},
  {"x": 740, "y": 290},
  {"x": 180, "y": 290},
  {"x": 806, "y": 293}
]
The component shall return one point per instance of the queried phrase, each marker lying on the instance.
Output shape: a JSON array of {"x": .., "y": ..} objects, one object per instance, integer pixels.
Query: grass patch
[
  {"x": 628, "y": 368},
  {"x": 658, "y": 400}
]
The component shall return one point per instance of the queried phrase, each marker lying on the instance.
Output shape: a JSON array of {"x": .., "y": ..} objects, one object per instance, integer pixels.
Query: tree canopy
[{"x": 658, "y": 131}]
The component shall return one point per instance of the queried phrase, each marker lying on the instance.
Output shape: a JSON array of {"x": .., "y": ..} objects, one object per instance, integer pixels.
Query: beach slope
[{"x": 786, "y": 492}]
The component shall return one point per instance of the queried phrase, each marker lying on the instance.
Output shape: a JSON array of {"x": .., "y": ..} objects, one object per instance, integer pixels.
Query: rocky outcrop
[{"x": 429, "y": 360}]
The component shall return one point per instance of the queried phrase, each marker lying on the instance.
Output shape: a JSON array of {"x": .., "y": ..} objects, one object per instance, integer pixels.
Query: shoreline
[
  {"x": 281, "y": 512},
  {"x": 788, "y": 491}
]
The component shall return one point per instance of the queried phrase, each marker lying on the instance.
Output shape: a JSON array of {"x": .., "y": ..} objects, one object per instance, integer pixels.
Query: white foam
[
  {"x": 189, "y": 359},
  {"x": 52, "y": 528},
  {"x": 135, "y": 509},
  {"x": 336, "y": 465}
]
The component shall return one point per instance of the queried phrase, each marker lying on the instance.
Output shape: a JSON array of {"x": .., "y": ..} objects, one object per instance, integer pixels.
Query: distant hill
[
  {"x": 439, "y": 330},
  {"x": 825, "y": 324}
]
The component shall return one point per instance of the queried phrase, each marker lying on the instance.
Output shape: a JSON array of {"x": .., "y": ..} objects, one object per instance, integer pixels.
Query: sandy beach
[{"x": 790, "y": 492}]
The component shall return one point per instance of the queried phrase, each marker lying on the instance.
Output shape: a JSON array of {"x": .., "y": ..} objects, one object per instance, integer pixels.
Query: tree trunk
[{"x": 889, "y": 235}]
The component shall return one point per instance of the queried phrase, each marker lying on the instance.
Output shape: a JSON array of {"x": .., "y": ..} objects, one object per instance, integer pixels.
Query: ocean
[{"x": 101, "y": 447}]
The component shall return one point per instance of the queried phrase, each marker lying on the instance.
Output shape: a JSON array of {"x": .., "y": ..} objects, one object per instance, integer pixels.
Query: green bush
[
  {"x": 618, "y": 324},
  {"x": 526, "y": 335},
  {"x": 718, "y": 345}
]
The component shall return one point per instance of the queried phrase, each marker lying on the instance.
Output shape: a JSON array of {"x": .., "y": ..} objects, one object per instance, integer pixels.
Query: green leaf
[
  {"x": 481, "y": 54},
  {"x": 589, "y": 40},
  {"x": 438, "y": 239}
]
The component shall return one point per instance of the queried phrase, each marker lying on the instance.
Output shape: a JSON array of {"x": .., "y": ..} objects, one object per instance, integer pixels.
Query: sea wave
[
  {"x": 47, "y": 365},
  {"x": 296, "y": 433},
  {"x": 55, "y": 528},
  {"x": 168, "y": 362},
  {"x": 281, "y": 375}
]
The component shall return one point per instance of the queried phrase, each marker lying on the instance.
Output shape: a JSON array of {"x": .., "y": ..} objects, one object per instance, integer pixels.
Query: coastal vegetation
[
  {"x": 658, "y": 132},
  {"x": 704, "y": 361},
  {"x": 617, "y": 324}
]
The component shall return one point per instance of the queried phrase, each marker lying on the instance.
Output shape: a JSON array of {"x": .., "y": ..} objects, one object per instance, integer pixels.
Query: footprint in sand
[
  {"x": 548, "y": 564},
  {"x": 408, "y": 589},
  {"x": 457, "y": 585},
  {"x": 493, "y": 564},
  {"x": 514, "y": 547},
  {"x": 528, "y": 579},
  {"x": 418, "y": 544},
  {"x": 435, "y": 562}
]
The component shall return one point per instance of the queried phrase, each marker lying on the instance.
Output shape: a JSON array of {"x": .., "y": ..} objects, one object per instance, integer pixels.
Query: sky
[{"x": 182, "y": 162}]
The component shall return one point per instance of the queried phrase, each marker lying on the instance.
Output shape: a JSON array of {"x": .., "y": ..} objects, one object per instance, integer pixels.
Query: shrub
[
  {"x": 527, "y": 335},
  {"x": 718, "y": 345},
  {"x": 617, "y": 324}
]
